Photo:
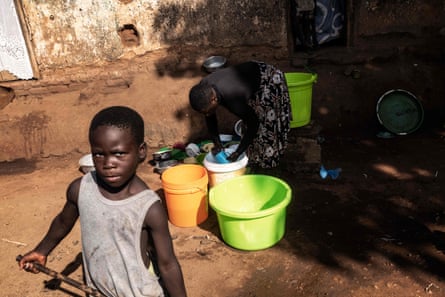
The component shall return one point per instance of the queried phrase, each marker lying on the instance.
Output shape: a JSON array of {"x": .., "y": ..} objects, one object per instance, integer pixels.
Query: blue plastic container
[{"x": 221, "y": 158}]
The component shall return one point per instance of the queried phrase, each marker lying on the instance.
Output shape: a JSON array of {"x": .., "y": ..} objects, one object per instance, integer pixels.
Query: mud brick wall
[{"x": 104, "y": 81}]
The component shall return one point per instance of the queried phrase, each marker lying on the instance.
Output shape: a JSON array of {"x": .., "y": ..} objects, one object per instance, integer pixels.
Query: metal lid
[
  {"x": 214, "y": 63},
  {"x": 400, "y": 112}
]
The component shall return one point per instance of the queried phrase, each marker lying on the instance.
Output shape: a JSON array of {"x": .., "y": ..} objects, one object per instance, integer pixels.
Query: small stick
[
  {"x": 14, "y": 242},
  {"x": 63, "y": 278}
]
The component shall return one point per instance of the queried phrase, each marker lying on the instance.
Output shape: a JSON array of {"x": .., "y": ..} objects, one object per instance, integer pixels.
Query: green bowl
[{"x": 251, "y": 210}]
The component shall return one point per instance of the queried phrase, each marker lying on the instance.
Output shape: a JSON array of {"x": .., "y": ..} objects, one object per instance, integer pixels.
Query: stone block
[{"x": 6, "y": 96}]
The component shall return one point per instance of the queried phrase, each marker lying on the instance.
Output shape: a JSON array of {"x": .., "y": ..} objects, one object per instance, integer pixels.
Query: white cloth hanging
[{"x": 14, "y": 55}]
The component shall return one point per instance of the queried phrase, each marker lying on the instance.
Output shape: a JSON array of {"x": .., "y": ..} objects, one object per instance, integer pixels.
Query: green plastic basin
[
  {"x": 251, "y": 210},
  {"x": 400, "y": 112}
]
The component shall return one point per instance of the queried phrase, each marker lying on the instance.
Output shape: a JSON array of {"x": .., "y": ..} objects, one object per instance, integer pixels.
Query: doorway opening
[{"x": 317, "y": 23}]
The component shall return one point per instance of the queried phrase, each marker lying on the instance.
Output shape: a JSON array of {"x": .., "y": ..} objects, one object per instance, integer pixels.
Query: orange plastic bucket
[{"x": 185, "y": 188}]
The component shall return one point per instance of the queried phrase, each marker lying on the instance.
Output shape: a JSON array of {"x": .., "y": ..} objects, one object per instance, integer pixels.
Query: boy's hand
[{"x": 26, "y": 262}]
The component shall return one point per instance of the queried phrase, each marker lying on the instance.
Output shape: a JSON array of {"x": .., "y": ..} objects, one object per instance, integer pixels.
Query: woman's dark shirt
[{"x": 234, "y": 87}]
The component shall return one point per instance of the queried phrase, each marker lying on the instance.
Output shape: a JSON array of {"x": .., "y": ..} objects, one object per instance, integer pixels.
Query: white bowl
[
  {"x": 225, "y": 137},
  {"x": 239, "y": 128},
  {"x": 86, "y": 163},
  {"x": 192, "y": 150}
]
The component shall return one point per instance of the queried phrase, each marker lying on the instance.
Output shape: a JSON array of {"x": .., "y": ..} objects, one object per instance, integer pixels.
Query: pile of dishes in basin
[
  {"x": 195, "y": 153},
  {"x": 201, "y": 153},
  {"x": 163, "y": 159}
]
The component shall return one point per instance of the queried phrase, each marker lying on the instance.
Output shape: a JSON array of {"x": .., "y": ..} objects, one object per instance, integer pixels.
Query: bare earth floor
[{"x": 378, "y": 230}]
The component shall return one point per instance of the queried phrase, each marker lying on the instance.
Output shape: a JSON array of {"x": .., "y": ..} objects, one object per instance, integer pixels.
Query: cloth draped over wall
[
  {"x": 329, "y": 19},
  {"x": 14, "y": 56},
  {"x": 315, "y": 22}
]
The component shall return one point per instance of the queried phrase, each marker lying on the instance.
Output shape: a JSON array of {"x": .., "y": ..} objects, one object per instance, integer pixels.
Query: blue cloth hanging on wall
[{"x": 329, "y": 20}]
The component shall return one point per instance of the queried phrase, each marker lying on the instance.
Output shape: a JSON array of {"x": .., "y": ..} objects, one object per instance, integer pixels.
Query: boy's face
[{"x": 115, "y": 155}]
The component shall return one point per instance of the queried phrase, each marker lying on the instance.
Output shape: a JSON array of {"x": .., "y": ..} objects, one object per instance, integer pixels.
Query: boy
[{"x": 125, "y": 235}]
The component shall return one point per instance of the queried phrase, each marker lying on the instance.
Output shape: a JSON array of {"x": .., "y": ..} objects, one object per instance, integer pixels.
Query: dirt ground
[{"x": 378, "y": 230}]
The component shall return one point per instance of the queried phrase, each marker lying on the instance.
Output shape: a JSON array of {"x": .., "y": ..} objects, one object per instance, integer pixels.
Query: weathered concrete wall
[
  {"x": 377, "y": 17},
  {"x": 83, "y": 32}
]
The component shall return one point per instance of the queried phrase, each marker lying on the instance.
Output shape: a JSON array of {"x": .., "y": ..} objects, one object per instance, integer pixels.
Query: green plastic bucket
[
  {"x": 251, "y": 210},
  {"x": 299, "y": 85}
]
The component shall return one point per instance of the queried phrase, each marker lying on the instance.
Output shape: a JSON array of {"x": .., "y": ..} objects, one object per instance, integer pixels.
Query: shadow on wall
[{"x": 192, "y": 33}]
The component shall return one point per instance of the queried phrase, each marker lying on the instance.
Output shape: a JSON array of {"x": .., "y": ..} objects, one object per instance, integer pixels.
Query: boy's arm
[
  {"x": 59, "y": 228},
  {"x": 171, "y": 274}
]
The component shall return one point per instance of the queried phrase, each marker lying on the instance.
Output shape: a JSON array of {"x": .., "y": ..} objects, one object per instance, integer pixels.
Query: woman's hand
[
  {"x": 233, "y": 157},
  {"x": 217, "y": 148}
]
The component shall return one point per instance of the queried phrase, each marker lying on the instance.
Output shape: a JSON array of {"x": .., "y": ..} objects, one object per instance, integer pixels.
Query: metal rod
[{"x": 63, "y": 278}]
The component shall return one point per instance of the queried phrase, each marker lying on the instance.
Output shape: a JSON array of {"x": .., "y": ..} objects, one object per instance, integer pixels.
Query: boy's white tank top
[{"x": 111, "y": 247}]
